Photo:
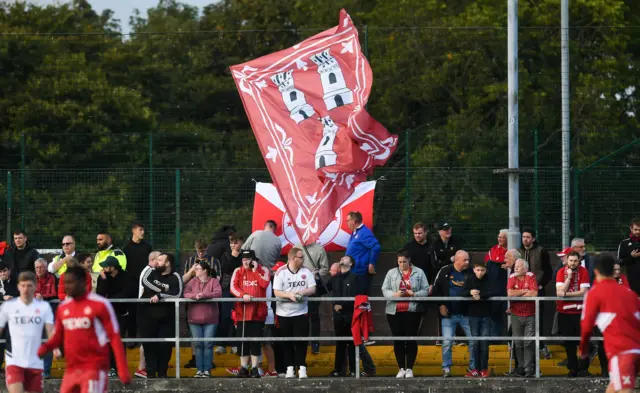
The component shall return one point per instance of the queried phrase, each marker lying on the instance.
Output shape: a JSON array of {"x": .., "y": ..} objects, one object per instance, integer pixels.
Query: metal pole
[
  {"x": 566, "y": 111},
  {"x": 177, "y": 217},
  {"x": 576, "y": 204},
  {"x": 407, "y": 185},
  {"x": 177, "y": 337},
  {"x": 357, "y": 361},
  {"x": 9, "y": 207},
  {"x": 536, "y": 185},
  {"x": 22, "y": 196},
  {"x": 150, "y": 188},
  {"x": 514, "y": 177},
  {"x": 537, "y": 322}
]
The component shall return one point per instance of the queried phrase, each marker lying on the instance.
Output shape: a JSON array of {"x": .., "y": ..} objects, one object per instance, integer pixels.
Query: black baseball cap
[
  {"x": 443, "y": 226},
  {"x": 248, "y": 254},
  {"x": 110, "y": 261},
  {"x": 3, "y": 265}
]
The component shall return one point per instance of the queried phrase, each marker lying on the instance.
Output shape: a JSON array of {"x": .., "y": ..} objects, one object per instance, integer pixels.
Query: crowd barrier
[{"x": 177, "y": 339}]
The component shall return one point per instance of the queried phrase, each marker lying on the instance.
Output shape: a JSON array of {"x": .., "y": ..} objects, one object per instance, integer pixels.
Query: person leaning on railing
[
  {"x": 404, "y": 282},
  {"x": 522, "y": 283}
]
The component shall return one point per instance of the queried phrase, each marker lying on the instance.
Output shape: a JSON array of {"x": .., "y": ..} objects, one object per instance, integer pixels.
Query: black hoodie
[
  {"x": 21, "y": 260},
  {"x": 219, "y": 243},
  {"x": 480, "y": 308}
]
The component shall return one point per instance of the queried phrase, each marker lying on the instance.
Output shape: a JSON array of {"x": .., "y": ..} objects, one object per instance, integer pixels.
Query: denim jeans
[
  {"x": 367, "y": 362},
  {"x": 204, "y": 350},
  {"x": 448, "y": 330},
  {"x": 481, "y": 327}
]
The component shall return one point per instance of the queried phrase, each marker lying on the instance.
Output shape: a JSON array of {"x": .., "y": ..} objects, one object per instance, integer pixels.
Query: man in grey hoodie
[{"x": 266, "y": 244}]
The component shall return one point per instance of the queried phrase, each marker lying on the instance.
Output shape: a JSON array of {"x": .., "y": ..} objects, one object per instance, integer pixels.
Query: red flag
[
  {"x": 269, "y": 206},
  {"x": 306, "y": 108}
]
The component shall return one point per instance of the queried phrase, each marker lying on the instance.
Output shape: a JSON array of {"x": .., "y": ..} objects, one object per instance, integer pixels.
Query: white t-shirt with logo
[
  {"x": 26, "y": 324},
  {"x": 287, "y": 281}
]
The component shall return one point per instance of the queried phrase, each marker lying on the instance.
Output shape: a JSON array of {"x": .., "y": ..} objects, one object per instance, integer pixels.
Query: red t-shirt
[
  {"x": 529, "y": 283},
  {"x": 496, "y": 254},
  {"x": 615, "y": 309},
  {"x": 406, "y": 284},
  {"x": 579, "y": 279}
]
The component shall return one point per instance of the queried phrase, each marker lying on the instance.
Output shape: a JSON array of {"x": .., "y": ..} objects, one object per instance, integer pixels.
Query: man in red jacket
[
  {"x": 250, "y": 281},
  {"x": 86, "y": 323},
  {"x": 46, "y": 285}
]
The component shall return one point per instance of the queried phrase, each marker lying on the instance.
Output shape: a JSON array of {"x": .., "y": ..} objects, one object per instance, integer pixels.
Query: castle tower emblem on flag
[
  {"x": 325, "y": 155},
  {"x": 294, "y": 99},
  {"x": 336, "y": 92}
]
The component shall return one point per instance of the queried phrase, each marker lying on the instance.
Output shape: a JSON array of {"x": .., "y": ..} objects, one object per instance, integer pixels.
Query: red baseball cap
[{"x": 565, "y": 252}]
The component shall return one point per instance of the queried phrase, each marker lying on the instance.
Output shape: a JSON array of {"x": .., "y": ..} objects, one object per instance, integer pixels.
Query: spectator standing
[
  {"x": 157, "y": 320},
  {"x": 571, "y": 281},
  {"x": 59, "y": 263},
  {"x": 231, "y": 260},
  {"x": 419, "y": 249},
  {"x": 444, "y": 247},
  {"x": 318, "y": 264},
  {"x": 450, "y": 283},
  {"x": 404, "y": 316},
  {"x": 203, "y": 318},
  {"x": 618, "y": 276},
  {"x": 522, "y": 283},
  {"x": 85, "y": 260},
  {"x": 629, "y": 255},
  {"x": 115, "y": 283},
  {"x": 250, "y": 280},
  {"x": 21, "y": 257},
  {"x": 498, "y": 274},
  {"x": 137, "y": 253},
  {"x": 190, "y": 267},
  {"x": 62, "y": 294},
  {"x": 343, "y": 284},
  {"x": 141, "y": 372},
  {"x": 220, "y": 243},
  {"x": 540, "y": 265},
  {"x": 45, "y": 282},
  {"x": 480, "y": 288},
  {"x": 266, "y": 244},
  {"x": 294, "y": 282},
  {"x": 106, "y": 249},
  {"x": 579, "y": 246}
]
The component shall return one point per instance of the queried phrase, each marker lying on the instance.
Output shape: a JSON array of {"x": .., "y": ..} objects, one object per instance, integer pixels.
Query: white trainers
[
  {"x": 220, "y": 350},
  {"x": 401, "y": 373},
  {"x": 408, "y": 373},
  {"x": 302, "y": 373},
  {"x": 234, "y": 350},
  {"x": 290, "y": 372}
]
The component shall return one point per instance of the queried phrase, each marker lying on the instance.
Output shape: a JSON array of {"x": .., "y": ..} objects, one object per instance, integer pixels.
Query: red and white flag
[
  {"x": 269, "y": 206},
  {"x": 306, "y": 108}
]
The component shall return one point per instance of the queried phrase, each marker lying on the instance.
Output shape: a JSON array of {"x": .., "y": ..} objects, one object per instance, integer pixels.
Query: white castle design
[
  {"x": 293, "y": 98},
  {"x": 325, "y": 156},
  {"x": 335, "y": 88}
]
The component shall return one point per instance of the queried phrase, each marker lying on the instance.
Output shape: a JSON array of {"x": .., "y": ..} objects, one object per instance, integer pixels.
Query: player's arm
[
  {"x": 110, "y": 323},
  {"x": 590, "y": 310},
  {"x": 55, "y": 339}
]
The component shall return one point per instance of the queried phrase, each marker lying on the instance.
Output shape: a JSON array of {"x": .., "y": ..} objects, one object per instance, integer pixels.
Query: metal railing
[{"x": 177, "y": 339}]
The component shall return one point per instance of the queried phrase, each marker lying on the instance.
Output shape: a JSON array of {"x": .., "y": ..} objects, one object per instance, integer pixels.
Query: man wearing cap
[
  {"x": 444, "y": 247},
  {"x": 115, "y": 283}
]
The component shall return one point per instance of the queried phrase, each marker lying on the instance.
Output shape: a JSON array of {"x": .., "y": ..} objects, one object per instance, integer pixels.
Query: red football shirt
[
  {"x": 579, "y": 279},
  {"x": 405, "y": 283},
  {"x": 86, "y": 326},
  {"x": 529, "y": 283},
  {"x": 615, "y": 309}
]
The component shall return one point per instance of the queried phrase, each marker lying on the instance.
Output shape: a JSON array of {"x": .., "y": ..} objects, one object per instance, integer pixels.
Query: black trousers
[
  {"x": 124, "y": 323},
  {"x": 157, "y": 354},
  {"x": 132, "y": 321},
  {"x": 250, "y": 329},
  {"x": 314, "y": 319},
  {"x": 405, "y": 324},
  {"x": 294, "y": 352},
  {"x": 344, "y": 349},
  {"x": 569, "y": 326}
]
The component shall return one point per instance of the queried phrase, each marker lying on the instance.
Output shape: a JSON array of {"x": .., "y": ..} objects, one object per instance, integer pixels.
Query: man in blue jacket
[{"x": 364, "y": 248}]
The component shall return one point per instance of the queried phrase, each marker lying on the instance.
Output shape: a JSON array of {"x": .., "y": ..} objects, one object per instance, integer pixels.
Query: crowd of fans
[{"x": 229, "y": 267}]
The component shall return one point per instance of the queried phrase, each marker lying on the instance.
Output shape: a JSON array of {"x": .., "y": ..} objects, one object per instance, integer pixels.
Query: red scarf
[{"x": 634, "y": 238}]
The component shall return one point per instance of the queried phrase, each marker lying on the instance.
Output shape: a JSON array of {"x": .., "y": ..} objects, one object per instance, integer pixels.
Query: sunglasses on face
[{"x": 66, "y": 244}]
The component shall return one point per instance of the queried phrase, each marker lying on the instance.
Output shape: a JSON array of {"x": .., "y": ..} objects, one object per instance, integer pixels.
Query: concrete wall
[{"x": 373, "y": 385}]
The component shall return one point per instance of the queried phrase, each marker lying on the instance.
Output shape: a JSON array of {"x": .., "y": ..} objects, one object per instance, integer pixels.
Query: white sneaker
[
  {"x": 408, "y": 373},
  {"x": 220, "y": 350},
  {"x": 290, "y": 372},
  {"x": 401, "y": 373},
  {"x": 234, "y": 350},
  {"x": 302, "y": 373}
]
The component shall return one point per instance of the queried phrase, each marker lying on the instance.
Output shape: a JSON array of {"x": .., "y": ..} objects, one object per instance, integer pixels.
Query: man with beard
[
  {"x": 105, "y": 250},
  {"x": 157, "y": 320},
  {"x": 629, "y": 255},
  {"x": 571, "y": 281}
]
